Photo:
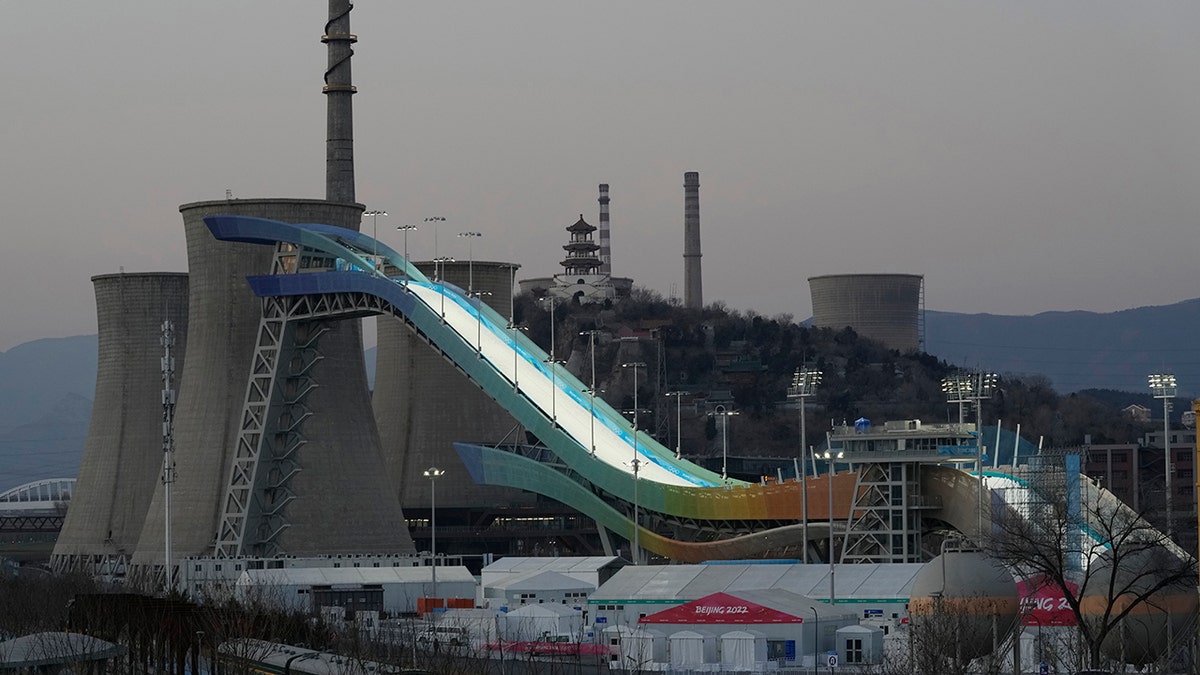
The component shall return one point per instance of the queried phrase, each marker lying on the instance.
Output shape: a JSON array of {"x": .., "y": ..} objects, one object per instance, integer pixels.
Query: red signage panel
[{"x": 721, "y": 608}]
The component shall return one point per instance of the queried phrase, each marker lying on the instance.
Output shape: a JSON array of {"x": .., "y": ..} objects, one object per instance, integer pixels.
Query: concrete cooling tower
[
  {"x": 321, "y": 486},
  {"x": 423, "y": 404},
  {"x": 123, "y": 455},
  {"x": 882, "y": 307}
]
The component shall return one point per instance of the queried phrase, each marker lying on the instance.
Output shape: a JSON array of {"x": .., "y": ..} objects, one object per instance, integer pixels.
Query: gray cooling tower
[
  {"x": 882, "y": 307},
  {"x": 423, "y": 404},
  {"x": 123, "y": 456},
  {"x": 344, "y": 502}
]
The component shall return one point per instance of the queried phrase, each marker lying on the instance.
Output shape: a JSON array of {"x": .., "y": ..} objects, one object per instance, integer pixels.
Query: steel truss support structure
[
  {"x": 268, "y": 447},
  {"x": 885, "y": 522}
]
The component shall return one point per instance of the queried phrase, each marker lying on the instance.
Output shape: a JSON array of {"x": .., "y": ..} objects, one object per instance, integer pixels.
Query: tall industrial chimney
[
  {"x": 693, "y": 293},
  {"x": 605, "y": 241},
  {"x": 339, "y": 141}
]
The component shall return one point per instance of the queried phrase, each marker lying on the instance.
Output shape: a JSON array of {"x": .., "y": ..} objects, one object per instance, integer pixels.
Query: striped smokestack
[
  {"x": 339, "y": 121},
  {"x": 693, "y": 293},
  {"x": 605, "y": 241}
]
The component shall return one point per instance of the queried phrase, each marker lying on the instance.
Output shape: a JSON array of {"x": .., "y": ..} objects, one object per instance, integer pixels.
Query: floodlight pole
[
  {"x": 829, "y": 457},
  {"x": 1164, "y": 386},
  {"x": 804, "y": 384},
  {"x": 432, "y": 473}
]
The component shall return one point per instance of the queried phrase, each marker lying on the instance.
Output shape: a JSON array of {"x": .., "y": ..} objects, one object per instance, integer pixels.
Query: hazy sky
[{"x": 1023, "y": 156}]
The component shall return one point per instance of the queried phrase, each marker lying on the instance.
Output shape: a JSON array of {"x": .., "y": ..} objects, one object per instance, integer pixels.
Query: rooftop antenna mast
[{"x": 168, "y": 439}]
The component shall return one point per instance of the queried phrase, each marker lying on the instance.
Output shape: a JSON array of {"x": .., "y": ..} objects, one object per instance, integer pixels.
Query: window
[
  {"x": 217, "y": 567},
  {"x": 854, "y": 650}
]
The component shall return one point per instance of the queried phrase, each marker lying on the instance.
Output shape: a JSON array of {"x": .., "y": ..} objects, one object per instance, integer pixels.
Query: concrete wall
[
  {"x": 344, "y": 502},
  {"x": 423, "y": 404},
  {"x": 883, "y": 307},
  {"x": 123, "y": 455}
]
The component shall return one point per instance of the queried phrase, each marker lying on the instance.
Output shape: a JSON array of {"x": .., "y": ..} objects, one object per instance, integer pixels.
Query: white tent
[
  {"x": 543, "y": 623},
  {"x": 479, "y": 625},
  {"x": 742, "y": 649},
  {"x": 614, "y": 638},
  {"x": 642, "y": 648},
  {"x": 690, "y": 648}
]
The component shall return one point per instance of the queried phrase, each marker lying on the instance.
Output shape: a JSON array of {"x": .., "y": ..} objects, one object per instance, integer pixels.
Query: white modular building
[
  {"x": 592, "y": 570},
  {"x": 539, "y": 589},
  {"x": 542, "y": 623},
  {"x": 394, "y": 590},
  {"x": 740, "y": 630},
  {"x": 877, "y": 594}
]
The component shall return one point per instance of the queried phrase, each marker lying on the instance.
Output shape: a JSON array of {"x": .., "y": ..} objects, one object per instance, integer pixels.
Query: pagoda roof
[{"x": 581, "y": 225}]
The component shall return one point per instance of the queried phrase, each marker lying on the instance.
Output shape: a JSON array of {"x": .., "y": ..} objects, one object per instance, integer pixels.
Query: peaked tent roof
[
  {"x": 744, "y": 607},
  {"x": 546, "y": 581}
]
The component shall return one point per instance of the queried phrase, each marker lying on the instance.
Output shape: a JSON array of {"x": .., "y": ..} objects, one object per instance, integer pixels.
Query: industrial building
[
  {"x": 887, "y": 308},
  {"x": 122, "y": 461}
]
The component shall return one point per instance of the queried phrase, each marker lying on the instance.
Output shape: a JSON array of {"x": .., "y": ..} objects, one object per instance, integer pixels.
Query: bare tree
[
  {"x": 1122, "y": 579},
  {"x": 958, "y": 635}
]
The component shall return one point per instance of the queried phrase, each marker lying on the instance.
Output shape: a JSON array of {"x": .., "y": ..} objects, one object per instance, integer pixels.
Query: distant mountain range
[
  {"x": 1076, "y": 350},
  {"x": 46, "y": 386}
]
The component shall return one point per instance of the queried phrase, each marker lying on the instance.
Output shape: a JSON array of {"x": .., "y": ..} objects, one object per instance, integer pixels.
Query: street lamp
[
  {"x": 406, "y": 229},
  {"x": 478, "y": 295},
  {"x": 441, "y": 284},
  {"x": 816, "y": 634},
  {"x": 636, "y": 365},
  {"x": 636, "y": 463},
  {"x": 1163, "y": 386},
  {"x": 830, "y": 457},
  {"x": 374, "y": 236},
  {"x": 725, "y": 415},
  {"x": 678, "y": 395},
  {"x": 804, "y": 384},
  {"x": 435, "y": 220},
  {"x": 592, "y": 389},
  {"x": 470, "y": 237},
  {"x": 552, "y": 361},
  {"x": 432, "y": 474}
]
